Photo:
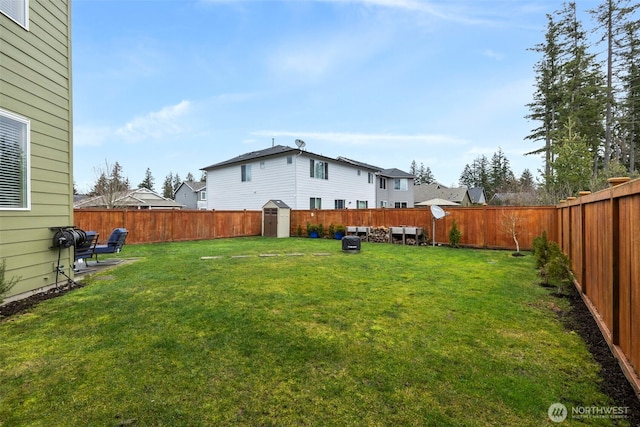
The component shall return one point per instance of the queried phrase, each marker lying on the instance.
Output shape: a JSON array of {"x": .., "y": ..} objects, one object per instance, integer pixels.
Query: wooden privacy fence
[
  {"x": 600, "y": 232},
  {"x": 481, "y": 227},
  {"x": 153, "y": 226}
]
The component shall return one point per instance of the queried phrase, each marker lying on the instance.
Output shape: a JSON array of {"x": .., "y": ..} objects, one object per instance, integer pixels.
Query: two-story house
[
  {"x": 192, "y": 195},
  {"x": 301, "y": 179},
  {"x": 395, "y": 189},
  {"x": 36, "y": 183}
]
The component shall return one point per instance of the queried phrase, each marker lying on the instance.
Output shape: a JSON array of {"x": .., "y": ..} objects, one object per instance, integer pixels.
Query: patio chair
[
  {"x": 85, "y": 250},
  {"x": 114, "y": 244}
]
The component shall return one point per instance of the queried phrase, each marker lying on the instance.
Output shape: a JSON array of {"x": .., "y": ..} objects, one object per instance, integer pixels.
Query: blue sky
[{"x": 177, "y": 85}]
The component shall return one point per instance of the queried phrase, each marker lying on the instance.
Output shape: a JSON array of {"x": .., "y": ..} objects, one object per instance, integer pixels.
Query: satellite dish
[
  {"x": 300, "y": 143},
  {"x": 437, "y": 212}
]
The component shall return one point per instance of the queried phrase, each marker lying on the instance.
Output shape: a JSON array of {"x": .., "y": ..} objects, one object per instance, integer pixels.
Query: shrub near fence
[{"x": 481, "y": 227}]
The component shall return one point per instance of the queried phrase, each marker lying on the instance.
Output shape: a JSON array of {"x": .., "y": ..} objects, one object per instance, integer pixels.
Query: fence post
[{"x": 615, "y": 270}]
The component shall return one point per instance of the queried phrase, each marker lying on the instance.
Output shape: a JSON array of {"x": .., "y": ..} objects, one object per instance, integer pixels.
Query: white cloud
[
  {"x": 362, "y": 139},
  {"x": 493, "y": 54},
  {"x": 155, "y": 125},
  {"x": 91, "y": 136}
]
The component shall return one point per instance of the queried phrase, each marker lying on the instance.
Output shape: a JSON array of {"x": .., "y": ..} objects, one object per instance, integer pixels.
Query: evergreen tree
[
  {"x": 583, "y": 84},
  {"x": 176, "y": 183},
  {"x": 573, "y": 164},
  {"x": 547, "y": 98},
  {"x": 569, "y": 86},
  {"x": 477, "y": 175},
  {"x": 526, "y": 182},
  {"x": 628, "y": 121},
  {"x": 413, "y": 170},
  {"x": 426, "y": 176},
  {"x": 148, "y": 180},
  {"x": 110, "y": 185},
  {"x": 190, "y": 177},
  {"x": 203, "y": 176},
  {"x": 611, "y": 17},
  {"x": 167, "y": 187},
  {"x": 501, "y": 177}
]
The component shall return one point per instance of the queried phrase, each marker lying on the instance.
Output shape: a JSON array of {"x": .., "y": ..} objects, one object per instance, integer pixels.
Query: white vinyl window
[
  {"x": 400, "y": 184},
  {"x": 203, "y": 195},
  {"x": 245, "y": 173},
  {"x": 15, "y": 182},
  {"x": 362, "y": 204},
  {"x": 318, "y": 169},
  {"x": 18, "y": 10},
  {"x": 315, "y": 203}
]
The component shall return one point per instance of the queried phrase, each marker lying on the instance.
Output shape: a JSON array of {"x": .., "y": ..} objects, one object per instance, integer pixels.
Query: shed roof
[{"x": 278, "y": 203}]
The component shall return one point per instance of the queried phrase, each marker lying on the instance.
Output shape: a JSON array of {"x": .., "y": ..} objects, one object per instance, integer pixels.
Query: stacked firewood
[{"x": 379, "y": 235}]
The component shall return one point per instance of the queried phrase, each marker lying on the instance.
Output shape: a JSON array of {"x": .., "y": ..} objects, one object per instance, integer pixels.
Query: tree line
[
  {"x": 587, "y": 106},
  {"x": 111, "y": 182}
]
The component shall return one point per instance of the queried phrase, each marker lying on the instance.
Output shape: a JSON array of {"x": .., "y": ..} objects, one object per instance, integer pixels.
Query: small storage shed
[{"x": 276, "y": 219}]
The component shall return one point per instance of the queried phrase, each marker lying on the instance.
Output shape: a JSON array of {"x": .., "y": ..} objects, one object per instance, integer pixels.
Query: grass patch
[{"x": 395, "y": 335}]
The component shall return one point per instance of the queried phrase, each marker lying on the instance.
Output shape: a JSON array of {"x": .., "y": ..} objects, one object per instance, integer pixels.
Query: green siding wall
[{"x": 35, "y": 82}]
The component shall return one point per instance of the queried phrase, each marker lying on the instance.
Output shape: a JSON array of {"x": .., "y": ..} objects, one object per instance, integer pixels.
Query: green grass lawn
[{"x": 395, "y": 335}]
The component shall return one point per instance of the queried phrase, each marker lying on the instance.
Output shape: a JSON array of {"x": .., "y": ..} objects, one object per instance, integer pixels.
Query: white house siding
[
  {"x": 343, "y": 184},
  {"x": 290, "y": 183},
  {"x": 275, "y": 181}
]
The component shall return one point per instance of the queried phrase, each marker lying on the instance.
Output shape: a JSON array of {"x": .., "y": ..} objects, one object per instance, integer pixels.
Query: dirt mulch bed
[
  {"x": 614, "y": 383},
  {"x": 24, "y": 305}
]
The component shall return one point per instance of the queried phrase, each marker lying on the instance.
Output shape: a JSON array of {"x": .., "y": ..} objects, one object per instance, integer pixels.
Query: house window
[
  {"x": 383, "y": 203},
  {"x": 18, "y": 10},
  {"x": 400, "y": 184},
  {"x": 318, "y": 169},
  {"x": 383, "y": 183},
  {"x": 400, "y": 204},
  {"x": 370, "y": 178},
  {"x": 362, "y": 204},
  {"x": 339, "y": 204},
  {"x": 289, "y": 160},
  {"x": 262, "y": 165},
  {"x": 203, "y": 195},
  {"x": 315, "y": 203},
  {"x": 15, "y": 185},
  {"x": 245, "y": 172},
  {"x": 359, "y": 172}
]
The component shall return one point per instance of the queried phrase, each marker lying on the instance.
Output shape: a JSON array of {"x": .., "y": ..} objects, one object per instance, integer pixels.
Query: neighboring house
[
  {"x": 301, "y": 179},
  {"x": 477, "y": 196},
  {"x": 426, "y": 192},
  {"x": 192, "y": 194},
  {"x": 395, "y": 189},
  {"x": 140, "y": 198},
  {"x": 36, "y": 188}
]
